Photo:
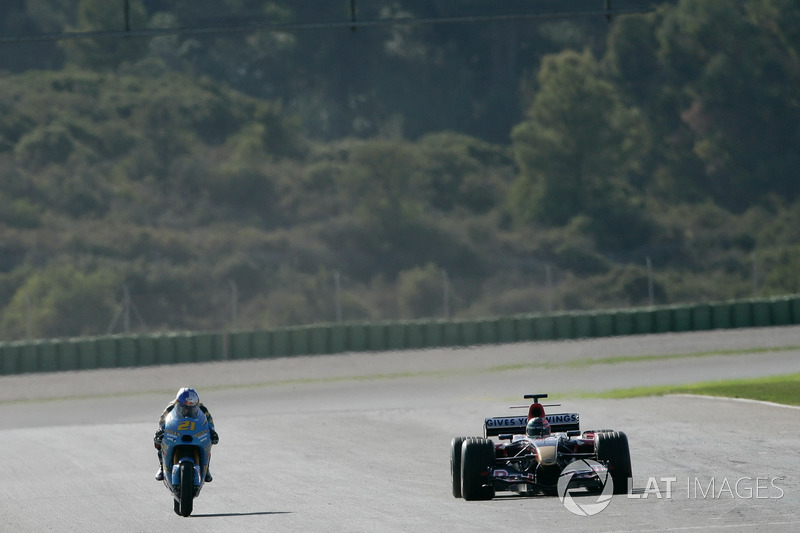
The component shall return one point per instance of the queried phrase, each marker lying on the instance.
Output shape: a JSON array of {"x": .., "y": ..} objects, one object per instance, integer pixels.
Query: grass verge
[{"x": 784, "y": 389}]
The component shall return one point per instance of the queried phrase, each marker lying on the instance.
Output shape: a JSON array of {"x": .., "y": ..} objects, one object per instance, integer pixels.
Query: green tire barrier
[
  {"x": 682, "y": 317},
  {"x": 544, "y": 328},
  {"x": 165, "y": 350},
  {"x": 184, "y": 348},
  {"x": 107, "y": 352},
  {"x": 68, "y": 355},
  {"x": 451, "y": 334},
  {"x": 701, "y": 317},
  {"x": 662, "y": 320},
  {"x": 357, "y": 340},
  {"x": 781, "y": 312},
  {"x": 376, "y": 337},
  {"x": 644, "y": 322},
  {"x": 467, "y": 333},
  {"x": 240, "y": 345},
  {"x": 563, "y": 326},
  {"x": 415, "y": 336},
  {"x": 487, "y": 332},
  {"x": 507, "y": 330},
  {"x": 318, "y": 340},
  {"x": 87, "y": 354},
  {"x": 524, "y": 326},
  {"x": 147, "y": 351},
  {"x": 433, "y": 335},
  {"x": 721, "y": 316},
  {"x": 48, "y": 356},
  {"x": 603, "y": 325},
  {"x": 397, "y": 337},
  {"x": 281, "y": 345},
  {"x": 204, "y": 347},
  {"x": 127, "y": 350},
  {"x": 338, "y": 339},
  {"x": 262, "y": 344},
  {"x": 117, "y": 351},
  {"x": 741, "y": 315},
  {"x": 623, "y": 323},
  {"x": 9, "y": 359}
]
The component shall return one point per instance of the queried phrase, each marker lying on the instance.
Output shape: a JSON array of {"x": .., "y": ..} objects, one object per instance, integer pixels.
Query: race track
[{"x": 360, "y": 442}]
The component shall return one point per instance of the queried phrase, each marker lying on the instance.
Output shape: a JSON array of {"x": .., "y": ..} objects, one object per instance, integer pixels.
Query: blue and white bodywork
[{"x": 186, "y": 454}]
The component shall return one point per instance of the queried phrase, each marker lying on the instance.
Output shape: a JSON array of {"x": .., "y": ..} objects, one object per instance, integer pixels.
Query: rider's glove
[
  {"x": 159, "y": 436},
  {"x": 214, "y": 437}
]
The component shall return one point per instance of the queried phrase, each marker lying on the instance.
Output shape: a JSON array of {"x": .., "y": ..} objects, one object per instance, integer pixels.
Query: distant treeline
[{"x": 267, "y": 179}]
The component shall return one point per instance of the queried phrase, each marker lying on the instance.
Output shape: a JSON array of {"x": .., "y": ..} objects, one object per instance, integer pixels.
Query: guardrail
[{"x": 118, "y": 351}]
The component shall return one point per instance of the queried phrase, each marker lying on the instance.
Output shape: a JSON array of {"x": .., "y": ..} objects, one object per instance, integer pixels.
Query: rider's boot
[
  {"x": 160, "y": 473},
  {"x": 209, "y": 477}
]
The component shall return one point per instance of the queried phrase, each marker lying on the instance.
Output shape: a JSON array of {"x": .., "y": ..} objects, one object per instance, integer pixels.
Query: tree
[
  {"x": 420, "y": 292},
  {"x": 60, "y": 301},
  {"x": 387, "y": 183},
  {"x": 736, "y": 66},
  {"x": 103, "y": 15},
  {"x": 464, "y": 172},
  {"x": 670, "y": 170},
  {"x": 576, "y": 150}
]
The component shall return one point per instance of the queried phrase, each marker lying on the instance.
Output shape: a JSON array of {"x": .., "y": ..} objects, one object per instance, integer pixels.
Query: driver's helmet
[
  {"x": 186, "y": 403},
  {"x": 538, "y": 428}
]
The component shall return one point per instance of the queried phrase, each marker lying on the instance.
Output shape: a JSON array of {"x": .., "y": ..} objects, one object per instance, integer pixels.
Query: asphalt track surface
[{"x": 360, "y": 442}]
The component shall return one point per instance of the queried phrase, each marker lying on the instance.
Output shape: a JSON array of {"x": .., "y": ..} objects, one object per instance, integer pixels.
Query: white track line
[{"x": 745, "y": 400}]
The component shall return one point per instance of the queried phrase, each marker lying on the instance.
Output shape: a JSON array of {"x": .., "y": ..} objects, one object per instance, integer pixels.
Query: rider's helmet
[
  {"x": 538, "y": 428},
  {"x": 187, "y": 402}
]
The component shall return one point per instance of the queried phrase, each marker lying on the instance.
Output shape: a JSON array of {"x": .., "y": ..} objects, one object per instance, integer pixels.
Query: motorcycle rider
[
  {"x": 187, "y": 402},
  {"x": 538, "y": 428}
]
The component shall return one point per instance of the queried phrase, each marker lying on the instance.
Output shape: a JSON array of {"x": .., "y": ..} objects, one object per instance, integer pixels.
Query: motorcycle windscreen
[{"x": 187, "y": 411}]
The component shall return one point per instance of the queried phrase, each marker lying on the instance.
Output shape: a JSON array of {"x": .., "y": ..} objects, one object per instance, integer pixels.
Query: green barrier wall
[
  {"x": 603, "y": 324},
  {"x": 643, "y": 322},
  {"x": 147, "y": 351},
  {"x": 126, "y": 348},
  {"x": 262, "y": 345},
  {"x": 524, "y": 327},
  {"x": 9, "y": 359},
  {"x": 721, "y": 316},
  {"x": 319, "y": 340},
  {"x": 415, "y": 336},
  {"x": 338, "y": 339},
  {"x": 357, "y": 338},
  {"x": 48, "y": 356},
  {"x": 544, "y": 328},
  {"x": 433, "y": 335},
  {"x": 165, "y": 350},
  {"x": 68, "y": 355},
  {"x": 170, "y": 348},
  {"x": 280, "y": 346}
]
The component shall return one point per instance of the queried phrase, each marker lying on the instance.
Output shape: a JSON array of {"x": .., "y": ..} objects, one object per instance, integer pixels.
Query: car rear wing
[{"x": 559, "y": 423}]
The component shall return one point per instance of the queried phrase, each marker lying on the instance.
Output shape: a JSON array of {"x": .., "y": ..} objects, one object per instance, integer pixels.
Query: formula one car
[{"x": 540, "y": 449}]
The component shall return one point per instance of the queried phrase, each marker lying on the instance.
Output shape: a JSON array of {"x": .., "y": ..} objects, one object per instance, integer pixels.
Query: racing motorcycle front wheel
[{"x": 186, "y": 488}]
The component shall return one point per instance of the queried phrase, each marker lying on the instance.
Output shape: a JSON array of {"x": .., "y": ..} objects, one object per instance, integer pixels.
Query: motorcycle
[{"x": 185, "y": 454}]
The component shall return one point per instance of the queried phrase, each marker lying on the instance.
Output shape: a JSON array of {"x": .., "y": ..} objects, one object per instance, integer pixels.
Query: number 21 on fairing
[{"x": 186, "y": 424}]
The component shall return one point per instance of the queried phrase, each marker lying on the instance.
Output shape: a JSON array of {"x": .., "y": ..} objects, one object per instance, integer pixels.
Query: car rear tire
[
  {"x": 613, "y": 450},
  {"x": 477, "y": 457}
]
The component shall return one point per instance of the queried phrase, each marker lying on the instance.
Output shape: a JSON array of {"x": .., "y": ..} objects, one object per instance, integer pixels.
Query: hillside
[{"x": 130, "y": 181}]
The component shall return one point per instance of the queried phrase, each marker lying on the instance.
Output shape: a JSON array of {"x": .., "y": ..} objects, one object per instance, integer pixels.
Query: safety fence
[{"x": 117, "y": 351}]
